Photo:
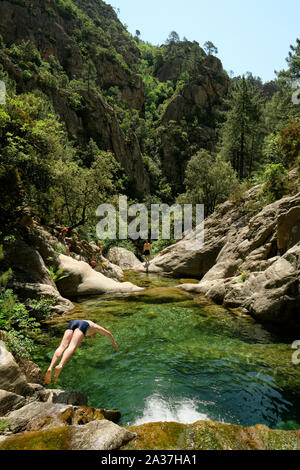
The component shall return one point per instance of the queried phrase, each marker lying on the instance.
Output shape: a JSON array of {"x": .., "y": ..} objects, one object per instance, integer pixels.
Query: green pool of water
[{"x": 180, "y": 358}]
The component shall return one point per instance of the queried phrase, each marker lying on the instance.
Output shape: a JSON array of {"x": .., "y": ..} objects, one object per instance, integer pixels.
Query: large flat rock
[{"x": 82, "y": 280}]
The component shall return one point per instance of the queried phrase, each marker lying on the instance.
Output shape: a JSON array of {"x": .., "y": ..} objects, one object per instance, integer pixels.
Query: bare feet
[
  {"x": 58, "y": 370},
  {"x": 48, "y": 376}
]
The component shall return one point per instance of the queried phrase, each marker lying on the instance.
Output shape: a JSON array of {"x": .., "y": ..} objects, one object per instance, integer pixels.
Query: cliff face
[
  {"x": 69, "y": 31},
  {"x": 190, "y": 118},
  {"x": 81, "y": 57},
  {"x": 89, "y": 44}
]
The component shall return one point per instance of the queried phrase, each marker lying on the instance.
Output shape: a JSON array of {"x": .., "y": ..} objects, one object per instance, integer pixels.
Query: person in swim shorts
[
  {"x": 74, "y": 334},
  {"x": 147, "y": 251}
]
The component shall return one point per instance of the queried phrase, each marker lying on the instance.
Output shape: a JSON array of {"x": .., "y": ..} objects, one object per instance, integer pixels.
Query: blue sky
[{"x": 251, "y": 35}]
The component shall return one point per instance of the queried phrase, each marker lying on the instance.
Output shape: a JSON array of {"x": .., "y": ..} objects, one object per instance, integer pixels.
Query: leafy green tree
[
  {"x": 12, "y": 197},
  {"x": 278, "y": 109},
  {"x": 78, "y": 191},
  {"x": 31, "y": 142},
  {"x": 209, "y": 180},
  {"x": 137, "y": 36},
  {"x": 90, "y": 74},
  {"x": 271, "y": 149},
  {"x": 282, "y": 109}
]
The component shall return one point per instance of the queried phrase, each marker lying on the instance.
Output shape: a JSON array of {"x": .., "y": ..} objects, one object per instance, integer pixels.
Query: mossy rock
[
  {"x": 95, "y": 435},
  {"x": 150, "y": 280},
  {"x": 189, "y": 281},
  {"x": 4, "y": 424},
  {"x": 158, "y": 436},
  {"x": 52, "y": 439},
  {"x": 208, "y": 435}
]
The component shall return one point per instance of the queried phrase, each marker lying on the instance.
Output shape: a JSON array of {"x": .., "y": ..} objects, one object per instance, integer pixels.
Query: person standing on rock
[
  {"x": 147, "y": 251},
  {"x": 62, "y": 238},
  {"x": 74, "y": 334}
]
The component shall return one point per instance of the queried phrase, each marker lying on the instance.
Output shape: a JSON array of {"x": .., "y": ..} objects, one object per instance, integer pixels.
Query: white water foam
[{"x": 158, "y": 408}]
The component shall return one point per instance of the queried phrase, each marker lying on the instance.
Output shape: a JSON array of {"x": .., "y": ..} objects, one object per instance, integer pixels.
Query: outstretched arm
[{"x": 107, "y": 333}]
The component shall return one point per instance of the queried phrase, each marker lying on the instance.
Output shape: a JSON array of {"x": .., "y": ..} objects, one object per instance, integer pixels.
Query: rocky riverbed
[{"x": 250, "y": 262}]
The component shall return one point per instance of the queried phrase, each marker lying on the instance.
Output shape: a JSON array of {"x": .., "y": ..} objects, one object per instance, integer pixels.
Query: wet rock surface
[
  {"x": 33, "y": 417},
  {"x": 209, "y": 435}
]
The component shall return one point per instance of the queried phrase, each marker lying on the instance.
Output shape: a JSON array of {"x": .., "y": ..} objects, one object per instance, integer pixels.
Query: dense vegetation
[
  {"x": 256, "y": 128},
  {"x": 20, "y": 321}
]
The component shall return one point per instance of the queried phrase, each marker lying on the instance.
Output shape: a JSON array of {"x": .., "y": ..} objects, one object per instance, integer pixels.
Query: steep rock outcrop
[
  {"x": 81, "y": 250},
  {"x": 247, "y": 262},
  {"x": 54, "y": 28},
  {"x": 272, "y": 295},
  {"x": 10, "y": 401},
  {"x": 254, "y": 271},
  {"x": 66, "y": 32},
  {"x": 189, "y": 120},
  {"x": 11, "y": 377},
  {"x": 30, "y": 276}
]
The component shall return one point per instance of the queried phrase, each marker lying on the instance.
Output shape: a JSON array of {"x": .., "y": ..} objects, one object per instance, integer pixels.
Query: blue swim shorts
[{"x": 81, "y": 324}]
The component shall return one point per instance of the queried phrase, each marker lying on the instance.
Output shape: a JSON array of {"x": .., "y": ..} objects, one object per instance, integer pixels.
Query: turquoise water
[{"x": 180, "y": 358}]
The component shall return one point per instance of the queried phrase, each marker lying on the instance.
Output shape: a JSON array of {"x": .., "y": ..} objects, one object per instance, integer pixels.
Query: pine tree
[
  {"x": 241, "y": 134},
  {"x": 210, "y": 48},
  {"x": 293, "y": 60}
]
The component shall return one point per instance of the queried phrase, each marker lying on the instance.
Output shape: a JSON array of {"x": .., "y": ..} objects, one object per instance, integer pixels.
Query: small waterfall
[{"x": 158, "y": 408}]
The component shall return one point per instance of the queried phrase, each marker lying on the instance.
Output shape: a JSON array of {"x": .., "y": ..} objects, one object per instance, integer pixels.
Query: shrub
[
  {"x": 20, "y": 320},
  {"x": 75, "y": 101},
  {"x": 275, "y": 181}
]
